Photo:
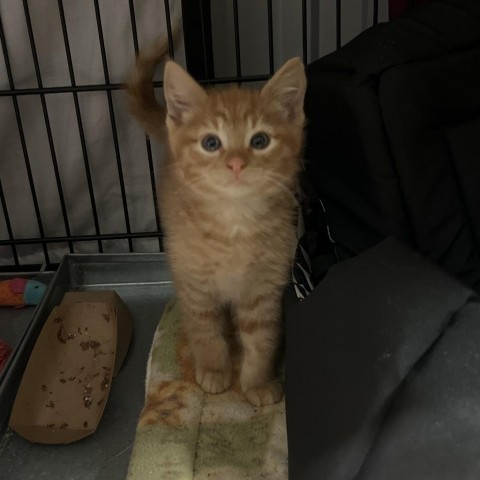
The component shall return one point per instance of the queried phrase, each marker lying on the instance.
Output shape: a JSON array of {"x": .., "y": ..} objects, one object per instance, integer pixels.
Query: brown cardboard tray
[{"x": 67, "y": 381}]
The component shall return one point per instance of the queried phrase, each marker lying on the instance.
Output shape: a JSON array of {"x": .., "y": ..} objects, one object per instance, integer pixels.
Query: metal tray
[
  {"x": 144, "y": 283},
  {"x": 15, "y": 329}
]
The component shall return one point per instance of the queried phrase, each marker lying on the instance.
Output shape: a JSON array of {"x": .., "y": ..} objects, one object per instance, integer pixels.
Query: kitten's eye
[
  {"x": 211, "y": 143},
  {"x": 260, "y": 141}
]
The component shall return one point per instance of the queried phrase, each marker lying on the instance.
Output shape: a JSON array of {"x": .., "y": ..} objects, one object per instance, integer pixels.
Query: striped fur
[{"x": 230, "y": 237}]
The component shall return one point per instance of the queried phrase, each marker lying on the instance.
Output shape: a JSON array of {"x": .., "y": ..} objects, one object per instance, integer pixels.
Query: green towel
[{"x": 186, "y": 434}]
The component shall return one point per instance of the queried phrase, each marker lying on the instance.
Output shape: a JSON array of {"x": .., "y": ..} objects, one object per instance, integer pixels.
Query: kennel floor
[{"x": 144, "y": 284}]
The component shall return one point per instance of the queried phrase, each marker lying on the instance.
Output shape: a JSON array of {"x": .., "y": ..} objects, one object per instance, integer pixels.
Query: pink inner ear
[{"x": 17, "y": 285}]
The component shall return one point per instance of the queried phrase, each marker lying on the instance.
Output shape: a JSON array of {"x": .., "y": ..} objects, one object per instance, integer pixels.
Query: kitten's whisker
[
  {"x": 192, "y": 183},
  {"x": 270, "y": 176}
]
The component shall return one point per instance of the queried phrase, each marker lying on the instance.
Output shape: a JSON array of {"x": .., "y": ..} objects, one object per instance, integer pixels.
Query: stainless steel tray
[
  {"x": 15, "y": 329},
  {"x": 144, "y": 283}
]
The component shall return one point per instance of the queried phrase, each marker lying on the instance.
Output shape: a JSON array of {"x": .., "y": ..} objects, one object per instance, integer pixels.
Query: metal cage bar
[
  {"x": 6, "y": 216},
  {"x": 133, "y": 21},
  {"x": 197, "y": 36},
  {"x": 271, "y": 64},
  {"x": 304, "y": 32},
  {"x": 78, "y": 114},
  {"x": 339, "y": 23},
  {"x": 79, "y": 238},
  {"x": 113, "y": 123},
  {"x": 148, "y": 144},
  {"x": 47, "y": 124},
  {"x": 168, "y": 19},
  {"x": 236, "y": 28},
  {"x": 375, "y": 12},
  {"x": 24, "y": 146}
]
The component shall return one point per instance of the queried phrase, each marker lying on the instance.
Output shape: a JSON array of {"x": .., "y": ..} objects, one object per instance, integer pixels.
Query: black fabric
[
  {"x": 383, "y": 357},
  {"x": 393, "y": 136},
  {"x": 385, "y": 326},
  {"x": 433, "y": 428}
]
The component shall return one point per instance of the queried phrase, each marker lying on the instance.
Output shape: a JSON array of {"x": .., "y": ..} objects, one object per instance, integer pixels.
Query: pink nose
[{"x": 236, "y": 164}]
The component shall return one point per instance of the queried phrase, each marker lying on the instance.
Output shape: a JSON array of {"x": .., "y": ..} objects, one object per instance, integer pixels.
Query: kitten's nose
[{"x": 236, "y": 164}]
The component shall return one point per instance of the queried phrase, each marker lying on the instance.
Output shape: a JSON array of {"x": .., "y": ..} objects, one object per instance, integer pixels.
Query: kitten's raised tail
[{"x": 142, "y": 102}]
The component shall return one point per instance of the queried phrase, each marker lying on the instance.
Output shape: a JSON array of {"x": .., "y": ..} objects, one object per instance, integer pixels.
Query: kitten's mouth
[
  {"x": 239, "y": 181},
  {"x": 238, "y": 178},
  {"x": 236, "y": 185}
]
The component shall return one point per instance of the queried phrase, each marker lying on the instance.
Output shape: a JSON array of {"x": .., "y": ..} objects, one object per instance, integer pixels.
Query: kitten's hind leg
[
  {"x": 259, "y": 329},
  {"x": 203, "y": 322}
]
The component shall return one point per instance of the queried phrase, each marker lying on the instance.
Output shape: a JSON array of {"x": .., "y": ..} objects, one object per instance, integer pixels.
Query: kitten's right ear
[
  {"x": 182, "y": 93},
  {"x": 286, "y": 90}
]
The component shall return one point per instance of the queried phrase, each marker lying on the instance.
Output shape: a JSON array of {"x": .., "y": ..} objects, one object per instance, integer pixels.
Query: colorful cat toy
[{"x": 19, "y": 292}]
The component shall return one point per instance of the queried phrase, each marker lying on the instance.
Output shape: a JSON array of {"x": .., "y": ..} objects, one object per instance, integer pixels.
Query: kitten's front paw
[
  {"x": 213, "y": 381},
  {"x": 266, "y": 394}
]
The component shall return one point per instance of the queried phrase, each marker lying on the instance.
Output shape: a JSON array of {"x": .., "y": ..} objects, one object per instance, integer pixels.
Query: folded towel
[{"x": 185, "y": 433}]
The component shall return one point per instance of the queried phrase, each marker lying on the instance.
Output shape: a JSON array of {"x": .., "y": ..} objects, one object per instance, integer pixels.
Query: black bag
[{"x": 393, "y": 136}]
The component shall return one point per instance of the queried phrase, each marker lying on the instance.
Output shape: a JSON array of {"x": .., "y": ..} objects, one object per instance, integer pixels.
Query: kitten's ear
[
  {"x": 286, "y": 89},
  {"x": 182, "y": 93}
]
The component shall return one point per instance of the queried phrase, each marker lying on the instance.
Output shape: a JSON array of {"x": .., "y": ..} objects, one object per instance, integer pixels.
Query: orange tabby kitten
[{"x": 228, "y": 210}]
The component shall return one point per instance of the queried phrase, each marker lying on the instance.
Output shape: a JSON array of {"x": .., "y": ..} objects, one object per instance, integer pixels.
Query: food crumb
[
  {"x": 63, "y": 336},
  {"x": 89, "y": 345},
  {"x": 105, "y": 383},
  {"x": 87, "y": 396}
]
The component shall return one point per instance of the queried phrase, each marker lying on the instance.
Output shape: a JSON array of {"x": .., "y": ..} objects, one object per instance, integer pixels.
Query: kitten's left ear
[{"x": 287, "y": 89}]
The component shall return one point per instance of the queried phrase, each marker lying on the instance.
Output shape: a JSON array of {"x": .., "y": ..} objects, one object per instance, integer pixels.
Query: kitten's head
[{"x": 233, "y": 141}]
